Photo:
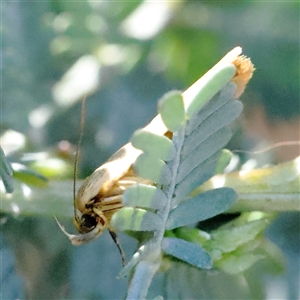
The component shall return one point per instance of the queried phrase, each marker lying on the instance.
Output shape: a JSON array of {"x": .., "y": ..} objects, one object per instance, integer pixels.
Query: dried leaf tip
[
  {"x": 244, "y": 68},
  {"x": 244, "y": 71}
]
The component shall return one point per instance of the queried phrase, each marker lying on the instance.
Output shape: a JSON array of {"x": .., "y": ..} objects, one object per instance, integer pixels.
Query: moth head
[
  {"x": 84, "y": 222},
  {"x": 88, "y": 227},
  {"x": 89, "y": 222}
]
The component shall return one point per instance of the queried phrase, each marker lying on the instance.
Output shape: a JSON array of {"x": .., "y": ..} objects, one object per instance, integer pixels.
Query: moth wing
[{"x": 106, "y": 175}]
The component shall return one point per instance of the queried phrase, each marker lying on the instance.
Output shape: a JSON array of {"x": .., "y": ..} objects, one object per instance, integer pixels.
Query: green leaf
[
  {"x": 203, "y": 131},
  {"x": 152, "y": 168},
  {"x": 198, "y": 146},
  {"x": 232, "y": 263},
  {"x": 189, "y": 234},
  {"x": 217, "y": 104},
  {"x": 145, "y": 196},
  {"x": 7, "y": 182},
  {"x": 269, "y": 189},
  {"x": 29, "y": 176},
  {"x": 201, "y": 207},
  {"x": 195, "y": 178},
  {"x": 56, "y": 168},
  {"x": 6, "y": 173},
  {"x": 198, "y": 137},
  {"x": 191, "y": 159},
  {"x": 228, "y": 240},
  {"x": 223, "y": 161},
  {"x": 171, "y": 109},
  {"x": 155, "y": 145},
  {"x": 56, "y": 200},
  {"x": 214, "y": 81},
  {"x": 188, "y": 252},
  {"x": 205, "y": 134},
  {"x": 136, "y": 219}
]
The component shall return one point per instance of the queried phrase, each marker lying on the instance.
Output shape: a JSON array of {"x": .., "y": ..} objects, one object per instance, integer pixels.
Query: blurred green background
[{"x": 124, "y": 55}]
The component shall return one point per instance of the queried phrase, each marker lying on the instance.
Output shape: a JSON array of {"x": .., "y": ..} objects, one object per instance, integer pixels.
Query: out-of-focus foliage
[
  {"x": 124, "y": 55},
  {"x": 6, "y": 173},
  {"x": 277, "y": 185}
]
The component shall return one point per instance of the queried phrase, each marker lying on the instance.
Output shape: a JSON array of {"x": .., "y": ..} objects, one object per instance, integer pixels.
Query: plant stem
[
  {"x": 57, "y": 200},
  {"x": 142, "y": 278},
  {"x": 267, "y": 202}
]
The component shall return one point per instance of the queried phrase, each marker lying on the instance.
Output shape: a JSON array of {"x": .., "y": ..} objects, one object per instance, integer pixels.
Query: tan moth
[{"x": 100, "y": 196}]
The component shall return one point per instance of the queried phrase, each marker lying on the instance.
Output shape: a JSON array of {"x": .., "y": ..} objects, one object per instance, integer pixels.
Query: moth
[{"x": 100, "y": 196}]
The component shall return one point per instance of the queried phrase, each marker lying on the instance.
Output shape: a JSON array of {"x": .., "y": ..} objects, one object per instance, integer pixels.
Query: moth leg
[{"x": 117, "y": 242}]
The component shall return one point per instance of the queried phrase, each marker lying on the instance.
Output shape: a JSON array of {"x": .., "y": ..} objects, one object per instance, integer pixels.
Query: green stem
[
  {"x": 141, "y": 280},
  {"x": 56, "y": 200},
  {"x": 267, "y": 202},
  {"x": 146, "y": 269}
]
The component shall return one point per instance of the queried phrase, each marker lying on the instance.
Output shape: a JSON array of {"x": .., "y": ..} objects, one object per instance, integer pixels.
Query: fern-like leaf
[
  {"x": 176, "y": 167},
  {"x": 175, "y": 163}
]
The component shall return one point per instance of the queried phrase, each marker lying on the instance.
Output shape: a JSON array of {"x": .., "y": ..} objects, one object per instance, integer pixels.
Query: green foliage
[
  {"x": 232, "y": 249},
  {"x": 215, "y": 80},
  {"x": 191, "y": 151},
  {"x": 223, "y": 161},
  {"x": 6, "y": 173},
  {"x": 227, "y": 240},
  {"x": 171, "y": 109},
  {"x": 176, "y": 166},
  {"x": 150, "y": 167},
  {"x": 56, "y": 200},
  {"x": 54, "y": 167},
  {"x": 267, "y": 189},
  {"x": 188, "y": 252},
  {"x": 147, "y": 142},
  {"x": 129, "y": 218},
  {"x": 146, "y": 196},
  {"x": 29, "y": 176},
  {"x": 201, "y": 207}
]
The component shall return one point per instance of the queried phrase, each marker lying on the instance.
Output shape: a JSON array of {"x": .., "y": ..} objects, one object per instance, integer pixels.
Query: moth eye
[{"x": 88, "y": 222}]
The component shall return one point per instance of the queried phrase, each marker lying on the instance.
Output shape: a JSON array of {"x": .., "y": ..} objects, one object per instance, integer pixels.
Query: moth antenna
[{"x": 82, "y": 121}]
